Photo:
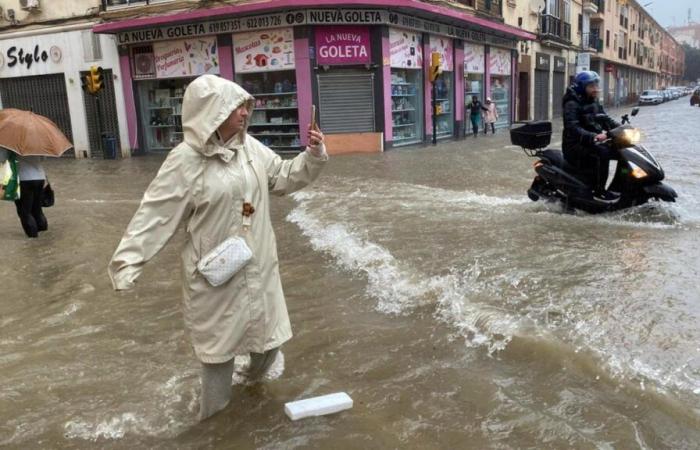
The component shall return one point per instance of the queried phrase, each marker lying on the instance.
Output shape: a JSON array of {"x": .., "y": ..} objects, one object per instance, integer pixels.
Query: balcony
[
  {"x": 553, "y": 29},
  {"x": 599, "y": 15},
  {"x": 591, "y": 42},
  {"x": 590, "y": 7}
]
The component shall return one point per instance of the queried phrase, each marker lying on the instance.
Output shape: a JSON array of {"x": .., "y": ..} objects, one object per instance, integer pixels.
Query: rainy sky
[{"x": 666, "y": 11}]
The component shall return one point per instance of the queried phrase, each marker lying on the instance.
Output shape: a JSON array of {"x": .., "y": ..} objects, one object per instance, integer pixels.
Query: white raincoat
[{"x": 201, "y": 183}]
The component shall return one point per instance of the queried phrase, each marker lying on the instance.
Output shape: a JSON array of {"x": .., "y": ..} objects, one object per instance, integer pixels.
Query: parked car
[{"x": 651, "y": 97}]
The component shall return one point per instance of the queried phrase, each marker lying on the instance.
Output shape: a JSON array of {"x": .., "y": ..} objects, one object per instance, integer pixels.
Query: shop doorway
[
  {"x": 559, "y": 87},
  {"x": 541, "y": 94},
  {"x": 108, "y": 114},
  {"x": 346, "y": 101},
  {"x": 42, "y": 94},
  {"x": 524, "y": 96}
]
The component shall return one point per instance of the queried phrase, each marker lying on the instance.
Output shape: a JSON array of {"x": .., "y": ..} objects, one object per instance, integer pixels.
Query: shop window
[
  {"x": 406, "y": 106},
  {"x": 161, "y": 112},
  {"x": 275, "y": 119}
]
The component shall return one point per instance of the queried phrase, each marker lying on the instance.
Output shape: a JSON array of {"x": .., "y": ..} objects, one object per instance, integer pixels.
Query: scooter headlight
[
  {"x": 631, "y": 136},
  {"x": 637, "y": 172}
]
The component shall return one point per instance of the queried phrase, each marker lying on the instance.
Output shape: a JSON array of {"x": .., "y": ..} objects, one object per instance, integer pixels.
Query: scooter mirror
[{"x": 635, "y": 111}]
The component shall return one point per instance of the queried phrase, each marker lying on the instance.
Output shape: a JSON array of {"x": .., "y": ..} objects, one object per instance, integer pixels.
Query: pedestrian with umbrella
[{"x": 25, "y": 138}]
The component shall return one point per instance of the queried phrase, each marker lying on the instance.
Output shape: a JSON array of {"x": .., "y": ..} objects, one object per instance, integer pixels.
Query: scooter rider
[{"x": 585, "y": 126}]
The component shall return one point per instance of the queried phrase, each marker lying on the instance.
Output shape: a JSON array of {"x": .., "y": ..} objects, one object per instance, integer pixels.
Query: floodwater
[{"x": 423, "y": 282}]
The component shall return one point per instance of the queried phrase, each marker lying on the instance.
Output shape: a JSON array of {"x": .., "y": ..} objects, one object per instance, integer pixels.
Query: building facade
[
  {"x": 44, "y": 51},
  {"x": 687, "y": 34},
  {"x": 365, "y": 64}
]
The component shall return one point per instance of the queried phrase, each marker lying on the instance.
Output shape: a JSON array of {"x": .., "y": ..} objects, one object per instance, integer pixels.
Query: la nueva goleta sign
[{"x": 309, "y": 17}]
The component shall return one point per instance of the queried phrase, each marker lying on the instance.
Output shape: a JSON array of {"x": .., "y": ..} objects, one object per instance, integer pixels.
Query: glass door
[{"x": 406, "y": 106}]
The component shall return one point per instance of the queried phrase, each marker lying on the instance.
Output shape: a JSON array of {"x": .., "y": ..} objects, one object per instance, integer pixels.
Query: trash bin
[{"x": 109, "y": 147}]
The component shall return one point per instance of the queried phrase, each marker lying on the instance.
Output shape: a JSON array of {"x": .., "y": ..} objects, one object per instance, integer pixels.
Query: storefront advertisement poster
[
  {"x": 264, "y": 51},
  {"x": 188, "y": 57},
  {"x": 443, "y": 46},
  {"x": 500, "y": 61},
  {"x": 474, "y": 61},
  {"x": 343, "y": 45},
  {"x": 406, "y": 49}
]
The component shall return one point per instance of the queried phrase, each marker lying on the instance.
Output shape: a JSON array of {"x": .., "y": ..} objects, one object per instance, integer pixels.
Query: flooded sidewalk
[{"x": 454, "y": 311}]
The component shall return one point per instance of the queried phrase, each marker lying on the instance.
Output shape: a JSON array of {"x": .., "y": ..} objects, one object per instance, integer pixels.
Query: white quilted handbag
[{"x": 225, "y": 260}]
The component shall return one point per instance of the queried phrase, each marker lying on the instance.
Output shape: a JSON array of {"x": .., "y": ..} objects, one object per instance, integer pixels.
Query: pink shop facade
[{"x": 365, "y": 66}]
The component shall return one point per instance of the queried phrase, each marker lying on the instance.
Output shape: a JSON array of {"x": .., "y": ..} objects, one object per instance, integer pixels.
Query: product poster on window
[
  {"x": 184, "y": 58},
  {"x": 443, "y": 46},
  {"x": 500, "y": 62},
  {"x": 474, "y": 58},
  {"x": 264, "y": 51},
  {"x": 343, "y": 45},
  {"x": 406, "y": 49}
]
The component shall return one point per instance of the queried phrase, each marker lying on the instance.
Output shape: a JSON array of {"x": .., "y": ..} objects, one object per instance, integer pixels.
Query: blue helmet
[{"x": 583, "y": 79}]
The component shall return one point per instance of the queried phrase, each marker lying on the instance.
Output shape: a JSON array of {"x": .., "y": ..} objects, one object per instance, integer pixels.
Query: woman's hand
[{"x": 315, "y": 141}]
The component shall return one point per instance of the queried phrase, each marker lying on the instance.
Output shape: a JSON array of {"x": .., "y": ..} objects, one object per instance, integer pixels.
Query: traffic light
[
  {"x": 435, "y": 66},
  {"x": 94, "y": 80}
]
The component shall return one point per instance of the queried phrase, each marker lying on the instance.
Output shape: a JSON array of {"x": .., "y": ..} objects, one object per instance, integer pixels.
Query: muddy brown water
[{"x": 422, "y": 281}]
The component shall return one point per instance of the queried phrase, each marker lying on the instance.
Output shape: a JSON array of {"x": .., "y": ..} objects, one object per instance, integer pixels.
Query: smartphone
[{"x": 313, "y": 117}]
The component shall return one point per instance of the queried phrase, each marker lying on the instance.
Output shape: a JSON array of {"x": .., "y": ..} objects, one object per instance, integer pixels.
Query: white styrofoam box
[{"x": 318, "y": 406}]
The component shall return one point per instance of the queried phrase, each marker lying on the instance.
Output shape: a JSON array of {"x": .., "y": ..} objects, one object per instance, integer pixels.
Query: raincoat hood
[{"x": 209, "y": 100}]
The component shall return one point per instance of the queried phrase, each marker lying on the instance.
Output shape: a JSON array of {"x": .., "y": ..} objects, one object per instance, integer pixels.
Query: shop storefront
[
  {"x": 542, "y": 68},
  {"x": 500, "y": 83},
  {"x": 406, "y": 86},
  {"x": 444, "y": 86},
  {"x": 474, "y": 78},
  {"x": 558, "y": 85},
  {"x": 264, "y": 64},
  {"x": 364, "y": 69}
]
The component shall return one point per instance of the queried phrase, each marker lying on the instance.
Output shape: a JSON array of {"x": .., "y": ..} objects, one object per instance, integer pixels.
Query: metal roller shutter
[
  {"x": 43, "y": 94},
  {"x": 559, "y": 88},
  {"x": 541, "y": 94},
  {"x": 346, "y": 101}
]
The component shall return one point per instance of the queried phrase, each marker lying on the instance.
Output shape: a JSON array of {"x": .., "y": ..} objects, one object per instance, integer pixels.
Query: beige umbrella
[{"x": 26, "y": 133}]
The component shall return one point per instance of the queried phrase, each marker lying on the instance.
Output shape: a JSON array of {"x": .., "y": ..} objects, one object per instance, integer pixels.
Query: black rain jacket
[{"x": 581, "y": 127}]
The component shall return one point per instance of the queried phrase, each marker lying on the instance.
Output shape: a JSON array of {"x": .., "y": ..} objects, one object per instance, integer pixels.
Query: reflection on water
[{"x": 423, "y": 282}]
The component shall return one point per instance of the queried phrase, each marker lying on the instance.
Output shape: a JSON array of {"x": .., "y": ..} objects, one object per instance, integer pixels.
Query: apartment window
[
  {"x": 553, "y": 8},
  {"x": 567, "y": 11},
  {"x": 607, "y": 38},
  {"x": 92, "y": 50},
  {"x": 580, "y": 23}
]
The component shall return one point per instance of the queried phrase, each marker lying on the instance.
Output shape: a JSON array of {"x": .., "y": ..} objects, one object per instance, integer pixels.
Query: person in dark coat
[
  {"x": 585, "y": 127},
  {"x": 475, "y": 107}
]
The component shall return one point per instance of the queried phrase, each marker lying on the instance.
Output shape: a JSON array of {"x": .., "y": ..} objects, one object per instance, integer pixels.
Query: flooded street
[{"x": 453, "y": 310}]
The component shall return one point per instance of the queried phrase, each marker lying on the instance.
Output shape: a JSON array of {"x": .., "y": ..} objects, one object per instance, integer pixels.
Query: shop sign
[
  {"x": 343, "y": 45},
  {"x": 186, "y": 57},
  {"x": 264, "y": 51},
  {"x": 609, "y": 67},
  {"x": 443, "y": 45},
  {"x": 309, "y": 17},
  {"x": 474, "y": 58},
  {"x": 500, "y": 62},
  {"x": 422, "y": 25},
  {"x": 406, "y": 49},
  {"x": 542, "y": 61},
  {"x": 559, "y": 64}
]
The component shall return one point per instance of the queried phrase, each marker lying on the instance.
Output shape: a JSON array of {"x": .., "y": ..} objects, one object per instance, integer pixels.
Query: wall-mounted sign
[
  {"x": 406, "y": 49},
  {"x": 443, "y": 45},
  {"x": 25, "y": 57},
  {"x": 474, "y": 58},
  {"x": 342, "y": 45},
  {"x": 500, "y": 61},
  {"x": 264, "y": 51},
  {"x": 542, "y": 61},
  {"x": 559, "y": 64},
  {"x": 310, "y": 17},
  {"x": 187, "y": 57}
]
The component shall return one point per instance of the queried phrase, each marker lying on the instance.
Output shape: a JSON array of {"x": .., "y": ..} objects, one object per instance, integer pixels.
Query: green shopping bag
[{"x": 9, "y": 179}]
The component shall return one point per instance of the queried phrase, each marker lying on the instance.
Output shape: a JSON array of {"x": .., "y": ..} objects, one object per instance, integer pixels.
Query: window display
[
  {"x": 406, "y": 106},
  {"x": 443, "y": 89},
  {"x": 275, "y": 119},
  {"x": 161, "y": 112},
  {"x": 500, "y": 61},
  {"x": 406, "y": 86}
]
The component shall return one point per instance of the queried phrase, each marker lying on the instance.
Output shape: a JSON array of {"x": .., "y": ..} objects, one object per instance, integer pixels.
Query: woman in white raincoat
[{"x": 203, "y": 183}]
